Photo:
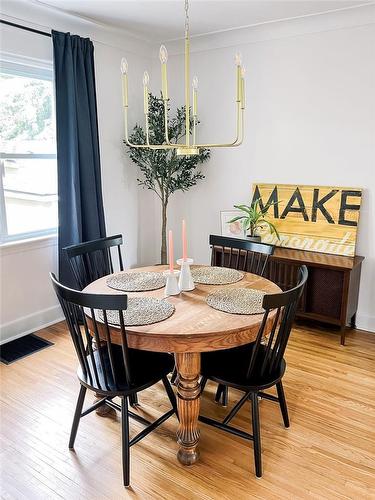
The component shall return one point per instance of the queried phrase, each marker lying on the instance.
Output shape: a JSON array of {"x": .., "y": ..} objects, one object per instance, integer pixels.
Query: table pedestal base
[{"x": 188, "y": 402}]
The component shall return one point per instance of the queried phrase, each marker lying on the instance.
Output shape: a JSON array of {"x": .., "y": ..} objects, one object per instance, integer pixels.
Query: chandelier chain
[{"x": 187, "y": 28}]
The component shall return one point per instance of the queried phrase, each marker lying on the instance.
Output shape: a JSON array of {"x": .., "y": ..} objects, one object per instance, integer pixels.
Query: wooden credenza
[{"x": 332, "y": 288}]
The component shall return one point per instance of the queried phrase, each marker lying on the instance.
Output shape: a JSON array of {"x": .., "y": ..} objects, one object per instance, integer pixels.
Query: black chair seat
[
  {"x": 111, "y": 369},
  {"x": 146, "y": 367},
  {"x": 240, "y": 254},
  {"x": 255, "y": 367},
  {"x": 229, "y": 367}
]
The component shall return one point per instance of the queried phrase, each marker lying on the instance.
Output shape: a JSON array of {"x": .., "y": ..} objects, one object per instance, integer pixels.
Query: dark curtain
[{"x": 80, "y": 207}]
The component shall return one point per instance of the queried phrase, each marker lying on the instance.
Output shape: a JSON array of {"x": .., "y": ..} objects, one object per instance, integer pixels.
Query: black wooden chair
[
  {"x": 243, "y": 255},
  {"x": 240, "y": 254},
  {"x": 111, "y": 370},
  {"x": 92, "y": 260},
  {"x": 255, "y": 367}
]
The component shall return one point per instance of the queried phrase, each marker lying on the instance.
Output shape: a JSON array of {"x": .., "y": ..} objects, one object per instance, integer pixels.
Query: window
[{"x": 28, "y": 180}]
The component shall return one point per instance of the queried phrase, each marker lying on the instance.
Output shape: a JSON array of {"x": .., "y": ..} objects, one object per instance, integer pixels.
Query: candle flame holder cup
[
  {"x": 186, "y": 282},
  {"x": 171, "y": 287}
]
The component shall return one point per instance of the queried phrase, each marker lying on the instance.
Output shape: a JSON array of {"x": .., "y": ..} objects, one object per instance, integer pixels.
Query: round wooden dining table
[{"x": 194, "y": 327}]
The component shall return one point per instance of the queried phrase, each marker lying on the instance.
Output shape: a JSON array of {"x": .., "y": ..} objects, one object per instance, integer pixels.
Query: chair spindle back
[
  {"x": 101, "y": 361},
  {"x": 92, "y": 260},
  {"x": 268, "y": 352},
  {"x": 240, "y": 254}
]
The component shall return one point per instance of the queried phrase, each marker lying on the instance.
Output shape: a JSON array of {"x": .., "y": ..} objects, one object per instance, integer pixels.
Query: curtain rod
[{"x": 26, "y": 28}]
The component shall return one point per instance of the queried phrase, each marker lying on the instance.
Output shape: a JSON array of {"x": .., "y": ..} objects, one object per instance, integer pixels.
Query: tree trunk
[{"x": 163, "y": 251}]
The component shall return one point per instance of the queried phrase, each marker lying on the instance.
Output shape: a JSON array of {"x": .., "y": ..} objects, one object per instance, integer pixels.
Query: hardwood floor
[{"x": 328, "y": 452}]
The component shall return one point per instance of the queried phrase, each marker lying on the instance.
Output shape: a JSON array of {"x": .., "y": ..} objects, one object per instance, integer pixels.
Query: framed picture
[{"x": 231, "y": 229}]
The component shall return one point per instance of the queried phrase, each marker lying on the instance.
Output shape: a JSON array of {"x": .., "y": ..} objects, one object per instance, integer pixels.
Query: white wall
[
  {"x": 27, "y": 299},
  {"x": 310, "y": 119}
]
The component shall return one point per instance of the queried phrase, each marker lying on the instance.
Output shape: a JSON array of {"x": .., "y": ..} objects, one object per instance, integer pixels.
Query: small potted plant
[{"x": 253, "y": 219}]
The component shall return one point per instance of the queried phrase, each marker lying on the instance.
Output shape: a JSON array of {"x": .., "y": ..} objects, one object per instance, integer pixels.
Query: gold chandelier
[{"x": 190, "y": 147}]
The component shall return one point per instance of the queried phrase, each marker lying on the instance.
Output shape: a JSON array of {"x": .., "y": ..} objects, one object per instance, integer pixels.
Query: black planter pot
[{"x": 256, "y": 239}]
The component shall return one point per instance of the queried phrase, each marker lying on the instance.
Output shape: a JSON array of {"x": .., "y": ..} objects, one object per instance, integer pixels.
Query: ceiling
[{"x": 157, "y": 20}]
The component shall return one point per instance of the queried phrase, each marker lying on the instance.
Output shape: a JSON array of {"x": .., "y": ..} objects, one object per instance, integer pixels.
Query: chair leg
[
  {"x": 256, "y": 434},
  {"x": 125, "y": 441},
  {"x": 174, "y": 376},
  {"x": 282, "y": 403},
  {"x": 77, "y": 416},
  {"x": 171, "y": 394},
  {"x": 218, "y": 393},
  {"x": 133, "y": 400},
  {"x": 224, "y": 398},
  {"x": 222, "y": 393},
  {"x": 203, "y": 383}
]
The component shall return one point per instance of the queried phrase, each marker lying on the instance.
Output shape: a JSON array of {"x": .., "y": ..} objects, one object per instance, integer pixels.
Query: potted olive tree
[
  {"x": 253, "y": 219},
  {"x": 163, "y": 171}
]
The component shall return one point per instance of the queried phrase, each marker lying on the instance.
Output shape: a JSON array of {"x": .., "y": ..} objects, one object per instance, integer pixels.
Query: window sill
[{"x": 20, "y": 246}]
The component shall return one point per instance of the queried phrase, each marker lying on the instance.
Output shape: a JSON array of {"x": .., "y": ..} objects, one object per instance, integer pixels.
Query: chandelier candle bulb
[
  {"x": 164, "y": 81},
  {"x": 195, "y": 96},
  {"x": 163, "y": 56},
  {"x": 124, "y": 72},
  {"x": 243, "y": 93},
  {"x": 243, "y": 88},
  {"x": 238, "y": 60},
  {"x": 239, "y": 83},
  {"x": 146, "y": 81}
]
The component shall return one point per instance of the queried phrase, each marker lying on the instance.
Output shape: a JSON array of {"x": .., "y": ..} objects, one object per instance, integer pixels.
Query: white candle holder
[
  {"x": 171, "y": 287},
  {"x": 186, "y": 282}
]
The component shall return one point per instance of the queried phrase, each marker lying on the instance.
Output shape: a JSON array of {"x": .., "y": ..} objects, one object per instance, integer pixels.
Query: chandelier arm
[
  {"x": 166, "y": 122},
  {"x": 139, "y": 146},
  {"x": 147, "y": 130},
  {"x": 194, "y": 130},
  {"x": 239, "y": 138}
]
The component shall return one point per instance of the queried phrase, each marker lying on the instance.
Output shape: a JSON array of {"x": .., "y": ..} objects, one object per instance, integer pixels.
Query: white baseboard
[
  {"x": 30, "y": 323},
  {"x": 41, "y": 319},
  {"x": 365, "y": 322}
]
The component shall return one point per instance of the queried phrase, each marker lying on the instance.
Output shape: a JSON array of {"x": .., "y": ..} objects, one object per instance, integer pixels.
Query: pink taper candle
[
  {"x": 171, "y": 258},
  {"x": 184, "y": 241}
]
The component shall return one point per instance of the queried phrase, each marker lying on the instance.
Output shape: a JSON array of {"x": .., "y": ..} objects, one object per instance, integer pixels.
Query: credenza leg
[
  {"x": 188, "y": 402},
  {"x": 343, "y": 333}
]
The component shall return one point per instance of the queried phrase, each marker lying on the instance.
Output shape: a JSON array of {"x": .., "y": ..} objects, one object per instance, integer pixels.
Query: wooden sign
[{"x": 317, "y": 218}]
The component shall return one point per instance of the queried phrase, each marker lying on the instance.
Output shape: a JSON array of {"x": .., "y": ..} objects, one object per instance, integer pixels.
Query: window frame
[{"x": 31, "y": 68}]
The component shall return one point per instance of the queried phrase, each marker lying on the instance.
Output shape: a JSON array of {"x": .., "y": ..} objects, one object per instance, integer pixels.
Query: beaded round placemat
[
  {"x": 141, "y": 311},
  {"x": 137, "y": 281},
  {"x": 212, "y": 275},
  {"x": 237, "y": 300}
]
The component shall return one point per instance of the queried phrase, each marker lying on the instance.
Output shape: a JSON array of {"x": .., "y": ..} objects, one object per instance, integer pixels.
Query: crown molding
[
  {"x": 89, "y": 21},
  {"x": 35, "y": 14},
  {"x": 315, "y": 23}
]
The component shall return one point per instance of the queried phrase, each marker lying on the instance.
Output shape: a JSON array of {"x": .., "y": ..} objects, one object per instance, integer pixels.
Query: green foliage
[
  {"x": 255, "y": 218},
  {"x": 163, "y": 171},
  {"x": 26, "y": 108}
]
